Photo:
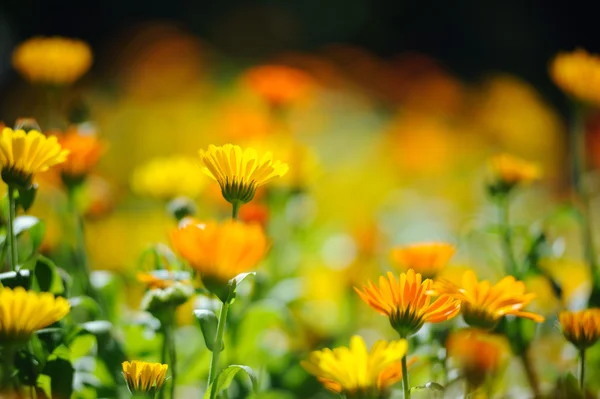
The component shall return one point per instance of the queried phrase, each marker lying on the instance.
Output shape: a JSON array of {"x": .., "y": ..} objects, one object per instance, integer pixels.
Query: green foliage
[
  {"x": 208, "y": 324},
  {"x": 225, "y": 378}
]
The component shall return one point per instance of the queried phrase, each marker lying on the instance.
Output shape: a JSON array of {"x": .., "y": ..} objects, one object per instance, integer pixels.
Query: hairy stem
[{"x": 214, "y": 362}]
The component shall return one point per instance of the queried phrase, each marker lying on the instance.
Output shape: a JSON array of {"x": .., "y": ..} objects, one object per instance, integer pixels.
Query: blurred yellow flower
[
  {"x": 578, "y": 74},
  {"x": 406, "y": 302},
  {"x": 23, "y": 154},
  {"x": 356, "y": 372},
  {"x": 478, "y": 354},
  {"x": 144, "y": 377},
  {"x": 510, "y": 171},
  {"x": 84, "y": 152},
  {"x": 240, "y": 172},
  {"x": 277, "y": 84},
  {"x": 484, "y": 304},
  {"x": 219, "y": 251},
  {"x": 582, "y": 328},
  {"x": 166, "y": 178},
  {"x": 572, "y": 276},
  {"x": 427, "y": 258},
  {"x": 52, "y": 60},
  {"x": 24, "y": 312}
]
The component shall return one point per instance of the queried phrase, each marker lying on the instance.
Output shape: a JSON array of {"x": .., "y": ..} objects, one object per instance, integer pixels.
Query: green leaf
[
  {"x": 87, "y": 303},
  {"x": 208, "y": 324},
  {"x": 431, "y": 390},
  {"x": 97, "y": 326},
  {"x": 61, "y": 373},
  {"x": 24, "y": 223},
  {"x": 27, "y": 196},
  {"x": 225, "y": 378},
  {"x": 47, "y": 277},
  {"x": 567, "y": 387}
]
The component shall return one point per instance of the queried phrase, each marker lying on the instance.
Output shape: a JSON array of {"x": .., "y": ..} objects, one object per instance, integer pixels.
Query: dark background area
[{"x": 469, "y": 37}]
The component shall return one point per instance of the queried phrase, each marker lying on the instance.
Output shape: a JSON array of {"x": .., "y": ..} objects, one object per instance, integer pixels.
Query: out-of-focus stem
[
  {"x": 405, "y": 384},
  {"x": 504, "y": 216},
  {"x": 582, "y": 369},
  {"x": 13, "y": 256},
  {"x": 216, "y": 352}
]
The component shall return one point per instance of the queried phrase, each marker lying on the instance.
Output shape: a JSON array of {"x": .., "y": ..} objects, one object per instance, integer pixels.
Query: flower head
[
  {"x": 84, "y": 152},
  {"x": 24, "y": 312},
  {"x": 52, "y": 60},
  {"x": 143, "y": 377},
  {"x": 582, "y": 328},
  {"x": 509, "y": 171},
  {"x": 278, "y": 84},
  {"x": 478, "y": 354},
  {"x": 484, "y": 304},
  {"x": 168, "y": 178},
  {"x": 240, "y": 172},
  {"x": 425, "y": 258},
  {"x": 406, "y": 303},
  {"x": 357, "y": 372},
  {"x": 577, "y": 74},
  {"x": 23, "y": 154},
  {"x": 220, "y": 251}
]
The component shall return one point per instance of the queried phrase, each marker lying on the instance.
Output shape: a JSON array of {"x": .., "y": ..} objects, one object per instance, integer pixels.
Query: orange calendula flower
[
  {"x": 85, "y": 151},
  {"x": 278, "y": 84},
  {"x": 582, "y": 328},
  {"x": 357, "y": 372},
  {"x": 508, "y": 171},
  {"x": 484, "y": 304},
  {"x": 406, "y": 302},
  {"x": 578, "y": 74},
  {"x": 52, "y": 60},
  {"x": 144, "y": 377},
  {"x": 220, "y": 251},
  {"x": 478, "y": 353},
  {"x": 425, "y": 258}
]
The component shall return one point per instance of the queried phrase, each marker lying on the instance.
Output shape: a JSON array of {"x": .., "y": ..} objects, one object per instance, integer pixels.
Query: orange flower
[
  {"x": 577, "y": 74},
  {"x": 84, "y": 152},
  {"x": 582, "y": 328},
  {"x": 425, "y": 258},
  {"x": 406, "y": 303},
  {"x": 510, "y": 171},
  {"x": 484, "y": 304},
  {"x": 278, "y": 84}
]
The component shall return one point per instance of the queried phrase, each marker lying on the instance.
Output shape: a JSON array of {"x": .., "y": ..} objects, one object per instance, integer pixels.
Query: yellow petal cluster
[
  {"x": 52, "y": 60},
  {"x": 357, "y": 372},
  {"x": 484, "y": 304},
  {"x": 426, "y": 258},
  {"x": 578, "y": 74},
  {"x": 581, "y": 328},
  {"x": 166, "y": 178},
  {"x": 240, "y": 172},
  {"x": 406, "y": 302},
  {"x": 24, "y": 312},
  {"x": 144, "y": 377},
  {"x": 23, "y": 154}
]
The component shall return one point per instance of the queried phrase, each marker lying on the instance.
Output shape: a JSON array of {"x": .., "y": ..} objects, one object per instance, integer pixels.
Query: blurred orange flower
[
  {"x": 582, "y": 328},
  {"x": 578, "y": 74},
  {"x": 510, "y": 170},
  {"x": 279, "y": 85},
  {"x": 426, "y": 258},
  {"x": 84, "y": 152}
]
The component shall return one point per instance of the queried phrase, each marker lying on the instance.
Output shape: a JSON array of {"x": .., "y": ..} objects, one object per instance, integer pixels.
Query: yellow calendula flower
[
  {"x": 24, "y": 154},
  {"x": 240, "y": 172},
  {"x": 426, "y": 258},
  {"x": 144, "y": 377},
  {"x": 220, "y": 251},
  {"x": 484, "y": 304},
  {"x": 52, "y": 60},
  {"x": 509, "y": 171},
  {"x": 478, "y": 354},
  {"x": 578, "y": 74},
  {"x": 169, "y": 177},
  {"x": 406, "y": 303},
  {"x": 85, "y": 151},
  {"x": 582, "y": 328},
  {"x": 356, "y": 372},
  {"x": 24, "y": 312}
]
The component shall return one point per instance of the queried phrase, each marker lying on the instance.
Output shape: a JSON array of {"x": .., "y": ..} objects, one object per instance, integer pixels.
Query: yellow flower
[
  {"x": 52, "y": 60},
  {"x": 24, "y": 312},
  {"x": 479, "y": 354},
  {"x": 278, "y": 84},
  {"x": 406, "y": 303},
  {"x": 582, "y": 328},
  {"x": 425, "y": 258},
  {"x": 219, "y": 251},
  {"x": 168, "y": 178},
  {"x": 508, "y": 171},
  {"x": 84, "y": 152},
  {"x": 144, "y": 377},
  {"x": 23, "y": 154},
  {"x": 484, "y": 304},
  {"x": 577, "y": 74},
  {"x": 239, "y": 172},
  {"x": 357, "y": 372}
]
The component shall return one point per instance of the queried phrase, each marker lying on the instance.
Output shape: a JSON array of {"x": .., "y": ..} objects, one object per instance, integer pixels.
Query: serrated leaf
[
  {"x": 209, "y": 324},
  {"x": 225, "y": 378}
]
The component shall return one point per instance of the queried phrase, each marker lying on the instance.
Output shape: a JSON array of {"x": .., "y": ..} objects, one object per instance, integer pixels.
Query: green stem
[
  {"x": 529, "y": 371},
  {"x": 504, "y": 216},
  {"x": 214, "y": 362},
  {"x": 582, "y": 369},
  {"x": 13, "y": 256},
  {"x": 235, "y": 209},
  {"x": 405, "y": 385},
  {"x": 8, "y": 355},
  {"x": 170, "y": 338},
  {"x": 163, "y": 356},
  {"x": 81, "y": 260}
]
